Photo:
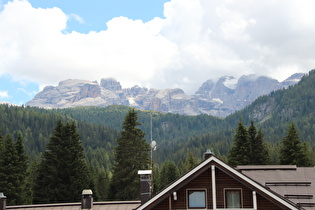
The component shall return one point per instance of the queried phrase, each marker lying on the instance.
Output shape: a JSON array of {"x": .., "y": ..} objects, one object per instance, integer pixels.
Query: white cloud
[
  {"x": 76, "y": 17},
  {"x": 4, "y": 94},
  {"x": 198, "y": 40}
]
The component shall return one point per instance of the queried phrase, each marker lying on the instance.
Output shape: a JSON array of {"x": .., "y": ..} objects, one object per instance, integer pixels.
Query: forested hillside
[
  {"x": 98, "y": 127},
  {"x": 274, "y": 112},
  {"x": 176, "y": 135},
  {"x": 181, "y": 140},
  {"x": 168, "y": 130},
  {"x": 36, "y": 126}
]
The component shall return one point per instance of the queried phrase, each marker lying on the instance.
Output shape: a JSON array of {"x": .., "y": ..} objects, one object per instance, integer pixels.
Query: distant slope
[
  {"x": 114, "y": 115},
  {"x": 99, "y": 127},
  {"x": 168, "y": 130},
  {"x": 271, "y": 113},
  {"x": 275, "y": 111}
]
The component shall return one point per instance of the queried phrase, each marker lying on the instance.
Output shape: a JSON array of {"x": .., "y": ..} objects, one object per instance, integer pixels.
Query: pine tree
[
  {"x": 131, "y": 155},
  {"x": 62, "y": 173},
  {"x": 1, "y": 149},
  {"x": 156, "y": 179},
  {"x": 102, "y": 184},
  {"x": 169, "y": 172},
  {"x": 2, "y": 167},
  {"x": 259, "y": 153},
  {"x": 8, "y": 171},
  {"x": 1, "y": 144},
  {"x": 13, "y": 170},
  {"x": 190, "y": 162},
  {"x": 293, "y": 151},
  {"x": 240, "y": 152},
  {"x": 22, "y": 166}
]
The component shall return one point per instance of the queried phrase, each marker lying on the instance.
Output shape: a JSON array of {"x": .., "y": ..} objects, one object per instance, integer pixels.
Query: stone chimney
[
  {"x": 3, "y": 201},
  {"x": 145, "y": 185},
  {"x": 87, "y": 199},
  {"x": 207, "y": 154}
]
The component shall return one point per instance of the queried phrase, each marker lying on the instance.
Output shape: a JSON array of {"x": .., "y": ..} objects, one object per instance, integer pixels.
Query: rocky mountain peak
[
  {"x": 220, "y": 98},
  {"x": 223, "y": 88},
  {"x": 75, "y": 82},
  {"x": 293, "y": 79},
  {"x": 110, "y": 84},
  {"x": 206, "y": 88}
]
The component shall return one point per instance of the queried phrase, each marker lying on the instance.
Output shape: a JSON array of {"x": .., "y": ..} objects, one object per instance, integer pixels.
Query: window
[
  {"x": 233, "y": 198},
  {"x": 196, "y": 199}
]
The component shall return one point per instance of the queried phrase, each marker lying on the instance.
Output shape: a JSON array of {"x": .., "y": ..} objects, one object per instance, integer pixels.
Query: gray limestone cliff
[{"x": 219, "y": 98}]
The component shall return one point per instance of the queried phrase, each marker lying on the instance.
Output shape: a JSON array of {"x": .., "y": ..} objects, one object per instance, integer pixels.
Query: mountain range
[
  {"x": 176, "y": 135},
  {"x": 218, "y": 98}
]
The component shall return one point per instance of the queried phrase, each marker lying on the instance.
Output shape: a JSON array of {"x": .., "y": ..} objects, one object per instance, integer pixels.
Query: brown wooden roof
[
  {"x": 295, "y": 183},
  {"x": 119, "y": 205}
]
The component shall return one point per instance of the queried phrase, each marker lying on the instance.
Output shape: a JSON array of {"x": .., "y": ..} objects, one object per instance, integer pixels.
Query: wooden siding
[
  {"x": 163, "y": 205},
  {"x": 203, "y": 181},
  {"x": 264, "y": 204},
  {"x": 224, "y": 181}
]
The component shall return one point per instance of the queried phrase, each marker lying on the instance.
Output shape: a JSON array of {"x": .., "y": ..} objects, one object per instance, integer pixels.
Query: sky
[{"x": 154, "y": 44}]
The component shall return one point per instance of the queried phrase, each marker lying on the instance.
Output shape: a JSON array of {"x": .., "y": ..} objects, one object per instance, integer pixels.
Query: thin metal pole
[
  {"x": 151, "y": 183},
  {"x": 151, "y": 141}
]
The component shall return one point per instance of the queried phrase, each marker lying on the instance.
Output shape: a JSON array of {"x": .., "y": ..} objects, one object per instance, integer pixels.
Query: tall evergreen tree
[
  {"x": 1, "y": 143},
  {"x": 13, "y": 170},
  {"x": 21, "y": 167},
  {"x": 62, "y": 173},
  {"x": 9, "y": 180},
  {"x": 259, "y": 152},
  {"x": 169, "y": 172},
  {"x": 102, "y": 185},
  {"x": 2, "y": 171},
  {"x": 240, "y": 152},
  {"x": 190, "y": 162},
  {"x": 293, "y": 151},
  {"x": 156, "y": 179},
  {"x": 131, "y": 155},
  {"x": 1, "y": 149}
]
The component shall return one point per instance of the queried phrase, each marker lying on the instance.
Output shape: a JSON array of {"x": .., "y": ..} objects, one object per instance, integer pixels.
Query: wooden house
[{"x": 215, "y": 185}]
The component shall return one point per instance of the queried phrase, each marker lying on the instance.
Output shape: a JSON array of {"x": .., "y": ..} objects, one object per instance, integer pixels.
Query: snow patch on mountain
[
  {"x": 218, "y": 100},
  {"x": 230, "y": 82}
]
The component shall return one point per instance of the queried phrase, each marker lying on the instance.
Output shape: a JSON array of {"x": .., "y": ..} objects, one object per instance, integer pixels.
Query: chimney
[
  {"x": 145, "y": 185},
  {"x": 3, "y": 201},
  {"x": 207, "y": 154},
  {"x": 87, "y": 199}
]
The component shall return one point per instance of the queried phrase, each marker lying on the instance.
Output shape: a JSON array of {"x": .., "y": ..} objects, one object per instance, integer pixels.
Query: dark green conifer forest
[{"x": 36, "y": 144}]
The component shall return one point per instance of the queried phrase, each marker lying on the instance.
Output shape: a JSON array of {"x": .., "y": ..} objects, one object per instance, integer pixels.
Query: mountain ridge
[{"x": 219, "y": 98}]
